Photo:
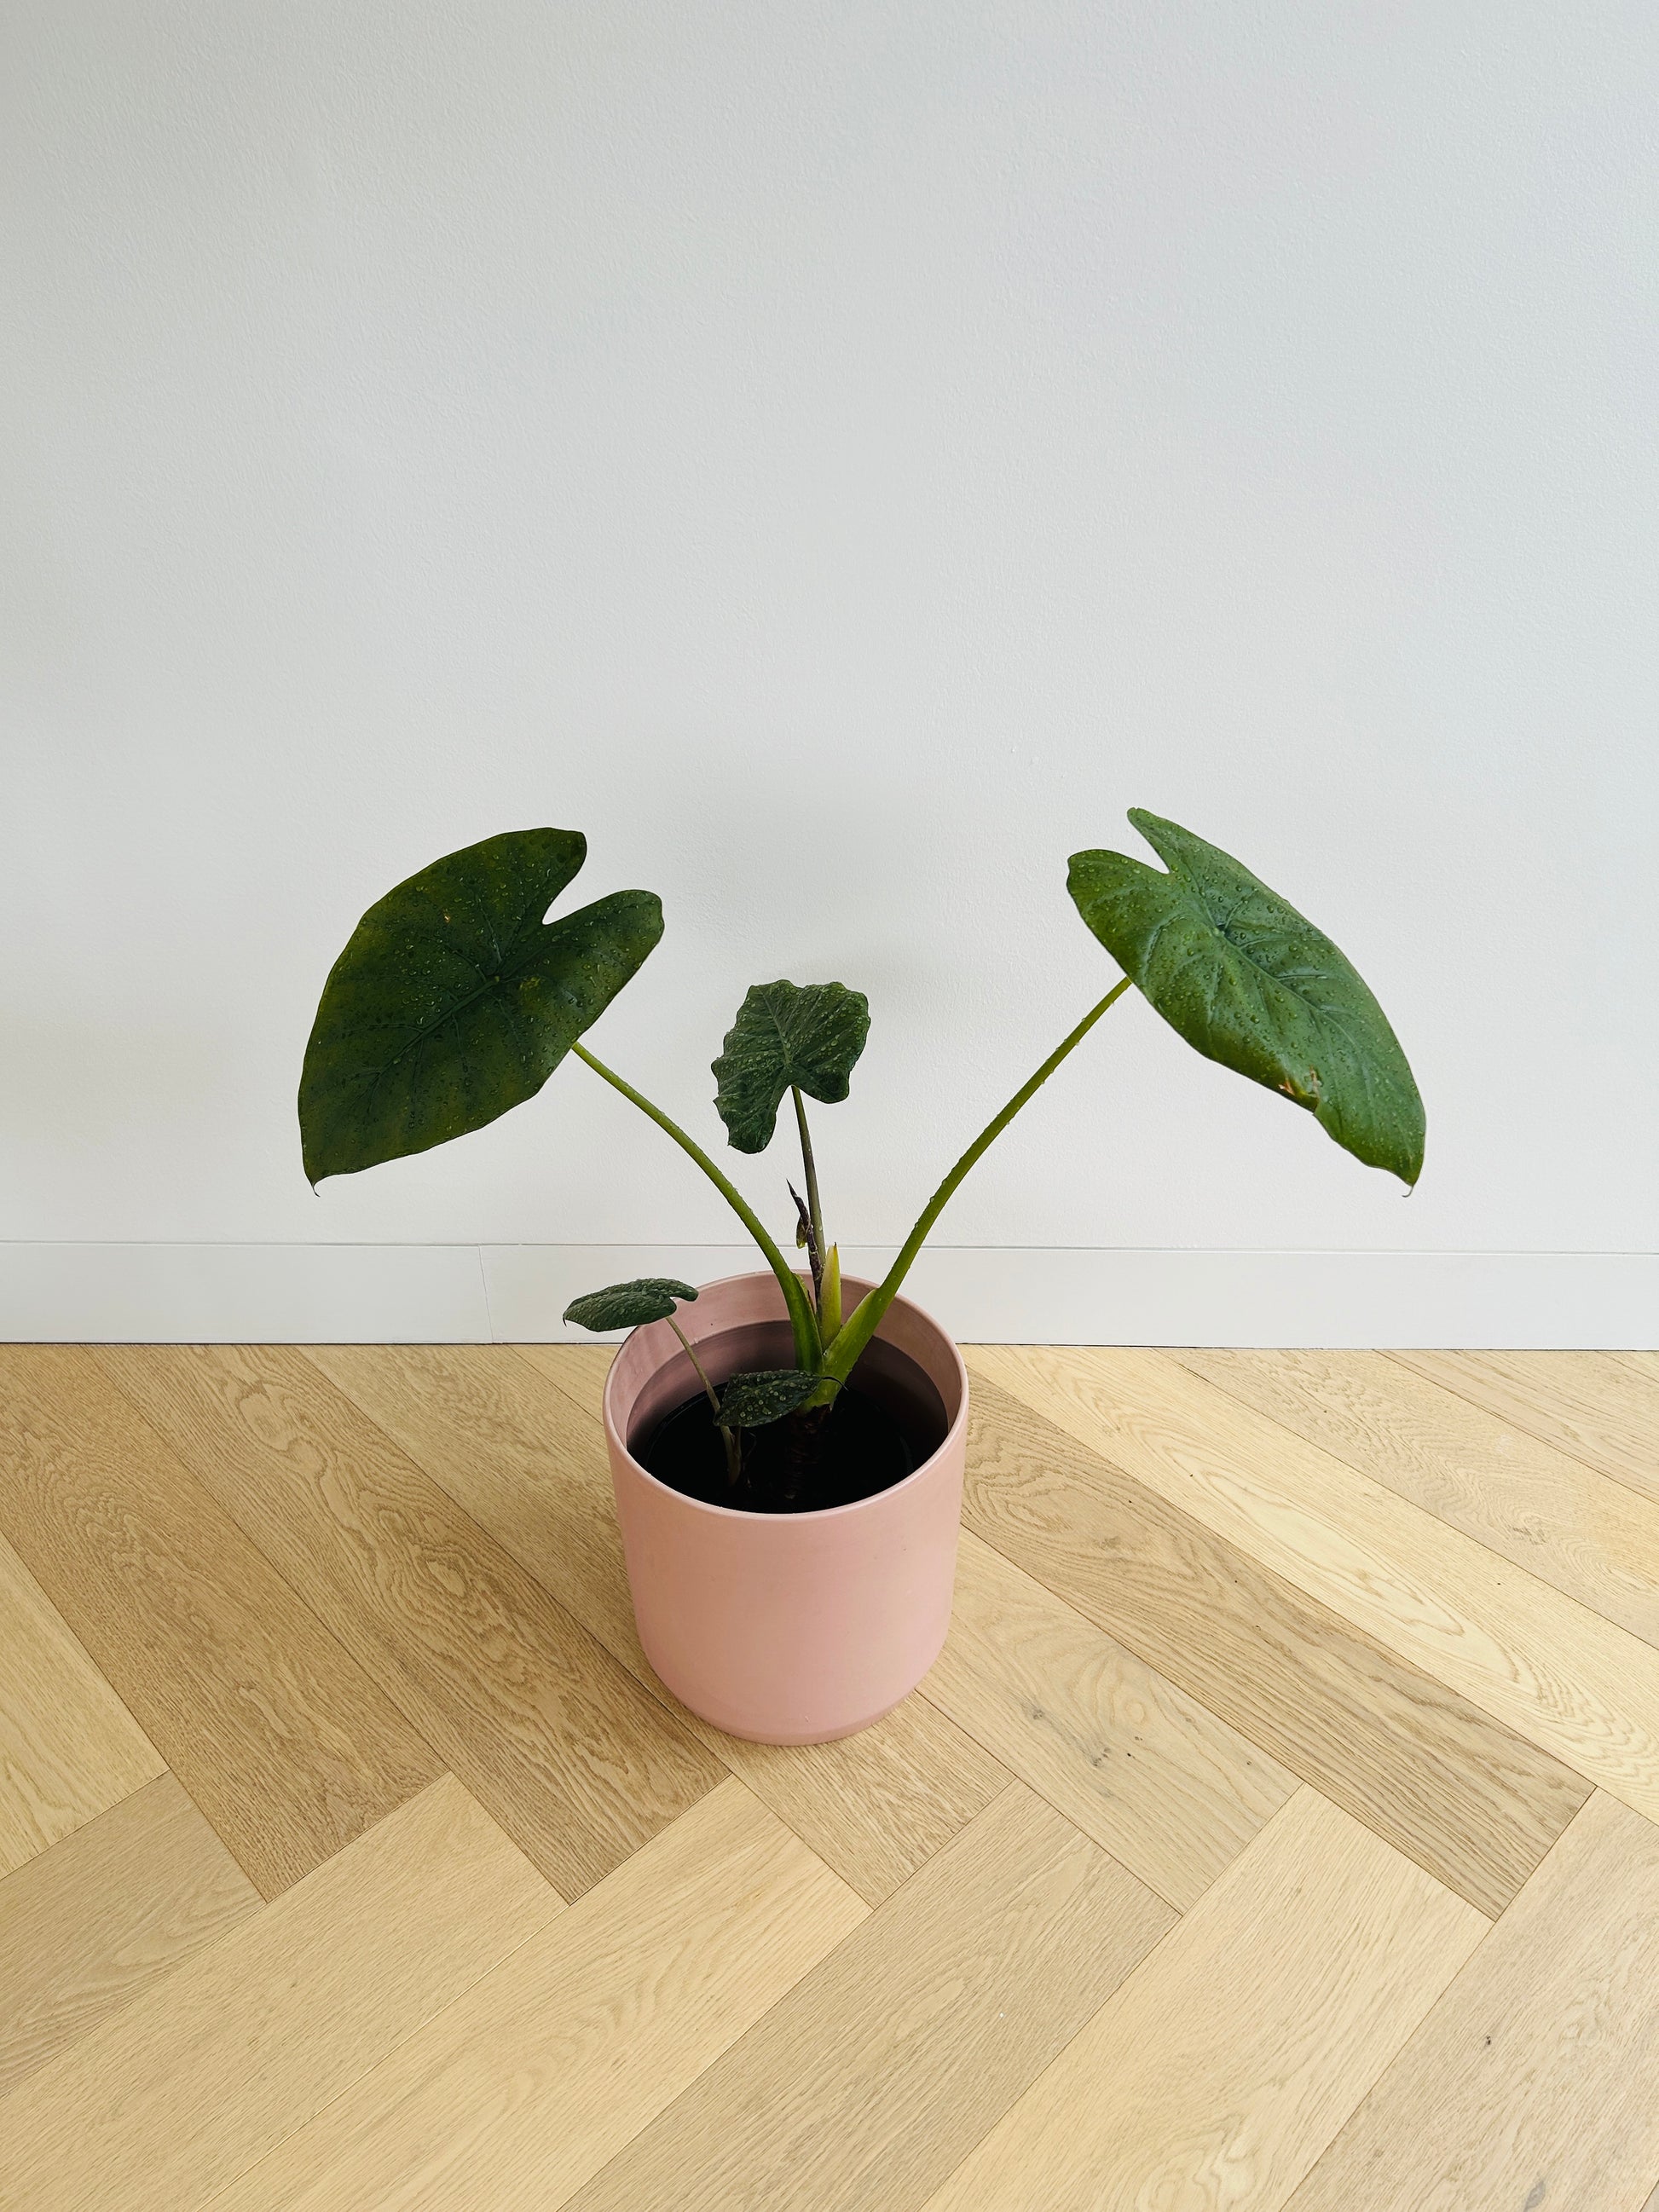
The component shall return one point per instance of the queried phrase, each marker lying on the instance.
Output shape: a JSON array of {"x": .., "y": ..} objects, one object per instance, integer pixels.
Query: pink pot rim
[{"x": 822, "y": 1512}]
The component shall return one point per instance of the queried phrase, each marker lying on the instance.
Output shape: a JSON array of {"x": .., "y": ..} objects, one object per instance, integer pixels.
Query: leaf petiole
[
  {"x": 803, "y": 1322},
  {"x": 865, "y": 1317},
  {"x": 734, "y": 1449},
  {"x": 814, "y": 1208},
  {"x": 702, "y": 1376}
]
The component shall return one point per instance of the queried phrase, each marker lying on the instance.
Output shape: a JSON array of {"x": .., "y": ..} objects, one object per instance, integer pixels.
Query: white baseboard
[
  {"x": 242, "y": 1294},
  {"x": 466, "y": 1293}
]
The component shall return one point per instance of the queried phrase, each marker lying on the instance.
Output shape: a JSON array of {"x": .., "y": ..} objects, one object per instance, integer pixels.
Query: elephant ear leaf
[
  {"x": 1249, "y": 981},
  {"x": 629, "y": 1306},
  {"x": 749, "y": 1402},
  {"x": 787, "y": 1034},
  {"x": 454, "y": 999}
]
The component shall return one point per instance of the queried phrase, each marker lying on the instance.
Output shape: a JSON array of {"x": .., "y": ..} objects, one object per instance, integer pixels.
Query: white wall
[{"x": 839, "y": 457}]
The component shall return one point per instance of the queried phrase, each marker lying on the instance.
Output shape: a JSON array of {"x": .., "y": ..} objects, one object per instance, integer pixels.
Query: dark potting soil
[{"x": 802, "y": 1464}]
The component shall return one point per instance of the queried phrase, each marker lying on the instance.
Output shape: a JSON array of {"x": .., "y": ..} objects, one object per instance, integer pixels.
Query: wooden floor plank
[
  {"x": 1154, "y": 1777},
  {"x": 579, "y": 1370},
  {"x": 529, "y": 1466},
  {"x": 1579, "y": 1687},
  {"x": 598, "y": 2023},
  {"x": 514, "y": 1453},
  {"x": 1535, "y": 2079},
  {"x": 68, "y": 1747},
  {"x": 282, "y": 1742},
  {"x": 1189, "y": 1585},
  {"x": 1224, "y": 2065},
  {"x": 1601, "y": 1407},
  {"x": 863, "y": 2085},
  {"x": 1593, "y": 1538},
  {"x": 92, "y": 1923},
  {"x": 1473, "y": 1804},
  {"x": 183, "y": 2090},
  {"x": 577, "y": 1762},
  {"x": 875, "y": 1806}
]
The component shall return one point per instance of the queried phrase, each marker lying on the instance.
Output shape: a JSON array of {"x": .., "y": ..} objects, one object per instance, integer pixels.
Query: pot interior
[{"x": 884, "y": 1373}]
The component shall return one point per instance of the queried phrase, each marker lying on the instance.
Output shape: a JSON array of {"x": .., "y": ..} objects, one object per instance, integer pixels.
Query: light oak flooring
[{"x": 1279, "y": 1828}]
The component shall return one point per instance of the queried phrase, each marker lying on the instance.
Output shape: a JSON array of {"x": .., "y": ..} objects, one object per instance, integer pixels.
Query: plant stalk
[
  {"x": 862, "y": 1323},
  {"x": 814, "y": 1209},
  {"x": 806, "y": 1239},
  {"x": 728, "y": 1437},
  {"x": 803, "y": 1322},
  {"x": 708, "y": 1388}
]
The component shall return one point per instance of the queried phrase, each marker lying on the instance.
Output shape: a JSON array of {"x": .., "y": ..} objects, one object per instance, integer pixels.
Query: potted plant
[{"x": 787, "y": 1446}]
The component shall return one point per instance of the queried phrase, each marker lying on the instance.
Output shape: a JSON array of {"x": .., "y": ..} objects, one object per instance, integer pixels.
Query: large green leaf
[
  {"x": 787, "y": 1034},
  {"x": 1250, "y": 982},
  {"x": 629, "y": 1306},
  {"x": 454, "y": 1000}
]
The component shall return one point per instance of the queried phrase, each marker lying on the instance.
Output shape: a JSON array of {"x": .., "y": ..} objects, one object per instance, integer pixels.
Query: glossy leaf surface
[
  {"x": 629, "y": 1306},
  {"x": 787, "y": 1033},
  {"x": 454, "y": 1000},
  {"x": 1249, "y": 981},
  {"x": 749, "y": 1402}
]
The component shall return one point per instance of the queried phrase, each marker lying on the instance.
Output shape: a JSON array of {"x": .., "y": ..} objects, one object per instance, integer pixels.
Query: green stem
[
  {"x": 815, "y": 1211},
  {"x": 803, "y": 1323},
  {"x": 733, "y": 1449},
  {"x": 708, "y": 1387},
  {"x": 862, "y": 1323}
]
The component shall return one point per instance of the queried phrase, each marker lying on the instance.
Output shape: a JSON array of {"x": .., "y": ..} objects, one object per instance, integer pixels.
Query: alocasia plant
[{"x": 455, "y": 999}]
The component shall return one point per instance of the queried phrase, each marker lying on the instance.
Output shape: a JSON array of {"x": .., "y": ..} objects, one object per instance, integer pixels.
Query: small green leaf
[
  {"x": 749, "y": 1402},
  {"x": 787, "y": 1034},
  {"x": 1249, "y": 981},
  {"x": 454, "y": 1000},
  {"x": 629, "y": 1306}
]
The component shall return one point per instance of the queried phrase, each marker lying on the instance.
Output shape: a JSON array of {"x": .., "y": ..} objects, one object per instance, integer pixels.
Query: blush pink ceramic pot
[{"x": 785, "y": 1627}]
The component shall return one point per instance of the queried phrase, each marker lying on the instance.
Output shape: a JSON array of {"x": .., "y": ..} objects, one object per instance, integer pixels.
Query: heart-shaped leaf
[
  {"x": 785, "y": 1034},
  {"x": 1249, "y": 981},
  {"x": 629, "y": 1306},
  {"x": 749, "y": 1402},
  {"x": 455, "y": 1000}
]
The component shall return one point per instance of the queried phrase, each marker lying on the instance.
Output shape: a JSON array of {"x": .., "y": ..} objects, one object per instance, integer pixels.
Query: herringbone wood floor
[{"x": 1280, "y": 1826}]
